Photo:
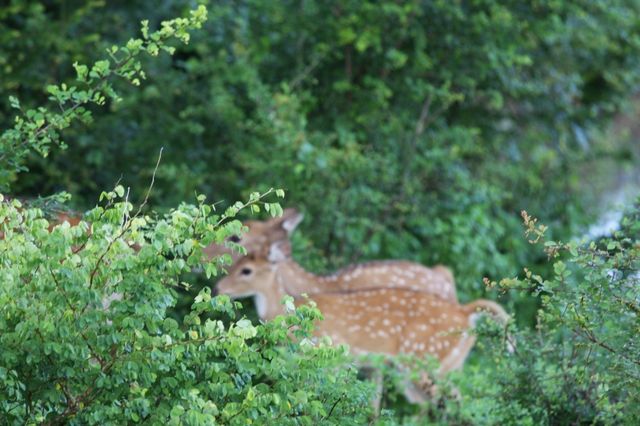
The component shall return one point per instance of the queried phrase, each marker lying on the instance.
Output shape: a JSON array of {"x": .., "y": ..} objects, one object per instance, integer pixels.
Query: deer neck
[
  {"x": 291, "y": 280},
  {"x": 268, "y": 305},
  {"x": 294, "y": 280}
]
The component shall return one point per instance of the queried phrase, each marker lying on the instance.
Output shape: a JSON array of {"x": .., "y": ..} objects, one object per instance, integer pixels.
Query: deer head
[{"x": 260, "y": 235}]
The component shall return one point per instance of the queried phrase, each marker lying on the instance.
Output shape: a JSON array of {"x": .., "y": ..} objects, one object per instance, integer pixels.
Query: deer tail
[{"x": 482, "y": 305}]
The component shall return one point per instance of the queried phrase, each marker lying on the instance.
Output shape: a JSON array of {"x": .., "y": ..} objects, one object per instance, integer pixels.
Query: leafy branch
[{"x": 37, "y": 129}]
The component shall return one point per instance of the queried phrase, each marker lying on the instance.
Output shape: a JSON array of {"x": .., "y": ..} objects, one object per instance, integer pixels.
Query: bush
[
  {"x": 86, "y": 330},
  {"x": 430, "y": 124},
  {"x": 67, "y": 359},
  {"x": 581, "y": 365}
]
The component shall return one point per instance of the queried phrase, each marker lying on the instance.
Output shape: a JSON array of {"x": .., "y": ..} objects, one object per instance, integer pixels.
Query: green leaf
[
  {"x": 14, "y": 102},
  {"x": 177, "y": 411}
]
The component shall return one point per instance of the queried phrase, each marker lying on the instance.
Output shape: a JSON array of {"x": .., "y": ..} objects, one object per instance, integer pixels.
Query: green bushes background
[
  {"x": 430, "y": 124},
  {"x": 415, "y": 130}
]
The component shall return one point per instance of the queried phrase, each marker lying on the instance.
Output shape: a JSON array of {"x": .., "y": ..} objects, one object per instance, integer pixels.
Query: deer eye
[
  {"x": 234, "y": 239},
  {"x": 246, "y": 271}
]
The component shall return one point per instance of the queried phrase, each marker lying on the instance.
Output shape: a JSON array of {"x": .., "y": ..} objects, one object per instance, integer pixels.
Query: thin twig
[
  {"x": 333, "y": 407},
  {"x": 243, "y": 206},
  {"x": 423, "y": 118},
  {"x": 125, "y": 216},
  {"x": 94, "y": 353},
  {"x": 126, "y": 225},
  {"x": 153, "y": 179},
  {"x": 98, "y": 88},
  {"x": 306, "y": 71},
  {"x": 589, "y": 336}
]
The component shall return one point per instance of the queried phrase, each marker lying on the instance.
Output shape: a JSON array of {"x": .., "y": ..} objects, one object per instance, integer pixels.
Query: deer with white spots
[
  {"x": 389, "y": 321},
  {"x": 261, "y": 235}
]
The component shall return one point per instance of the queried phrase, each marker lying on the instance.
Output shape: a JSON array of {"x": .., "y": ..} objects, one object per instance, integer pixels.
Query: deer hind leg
[
  {"x": 415, "y": 389},
  {"x": 424, "y": 389},
  {"x": 377, "y": 377},
  {"x": 413, "y": 392},
  {"x": 418, "y": 391}
]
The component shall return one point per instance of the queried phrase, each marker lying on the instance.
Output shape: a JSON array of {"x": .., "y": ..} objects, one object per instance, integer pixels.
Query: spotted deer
[
  {"x": 261, "y": 235},
  {"x": 388, "y": 321}
]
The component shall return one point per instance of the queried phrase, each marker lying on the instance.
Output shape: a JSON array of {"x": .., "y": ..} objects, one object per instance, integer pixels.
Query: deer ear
[
  {"x": 291, "y": 218},
  {"x": 279, "y": 251}
]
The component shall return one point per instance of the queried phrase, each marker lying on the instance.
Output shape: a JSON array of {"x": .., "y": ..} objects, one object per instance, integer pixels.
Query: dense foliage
[
  {"x": 414, "y": 130},
  {"x": 431, "y": 124},
  {"x": 67, "y": 359},
  {"x": 86, "y": 331},
  {"x": 582, "y": 363}
]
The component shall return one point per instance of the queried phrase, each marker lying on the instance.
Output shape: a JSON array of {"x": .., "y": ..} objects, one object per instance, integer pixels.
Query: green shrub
[
  {"x": 66, "y": 359},
  {"x": 581, "y": 365},
  {"x": 415, "y": 130},
  {"x": 86, "y": 328}
]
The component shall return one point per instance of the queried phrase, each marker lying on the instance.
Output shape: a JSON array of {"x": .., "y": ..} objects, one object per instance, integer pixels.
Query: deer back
[
  {"x": 399, "y": 274},
  {"x": 398, "y": 321}
]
